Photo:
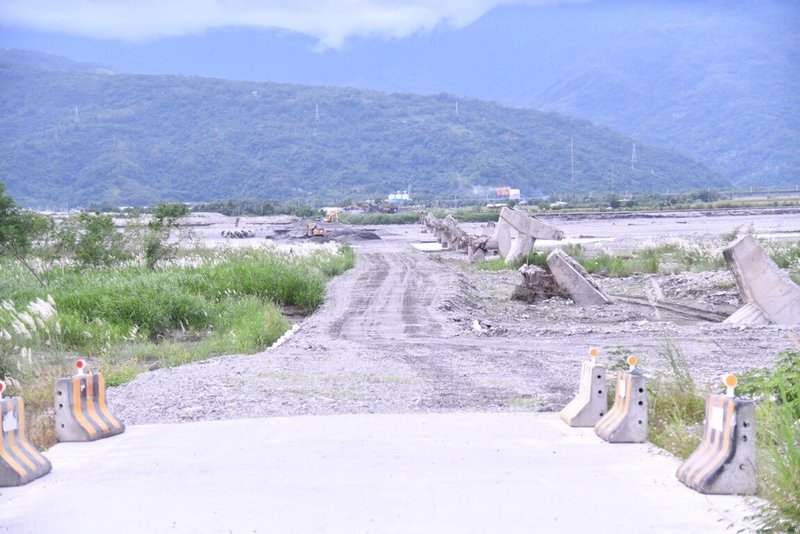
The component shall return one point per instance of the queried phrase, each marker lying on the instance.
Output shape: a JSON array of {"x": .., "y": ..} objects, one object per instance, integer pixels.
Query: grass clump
[
  {"x": 675, "y": 408},
  {"x": 535, "y": 257}
]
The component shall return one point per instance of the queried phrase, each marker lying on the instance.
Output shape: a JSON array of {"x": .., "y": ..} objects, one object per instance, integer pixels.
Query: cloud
[{"x": 331, "y": 22}]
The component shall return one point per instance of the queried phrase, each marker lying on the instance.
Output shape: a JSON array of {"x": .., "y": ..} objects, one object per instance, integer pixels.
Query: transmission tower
[{"x": 633, "y": 156}]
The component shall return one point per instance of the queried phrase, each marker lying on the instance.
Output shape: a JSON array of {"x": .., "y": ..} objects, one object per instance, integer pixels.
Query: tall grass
[
  {"x": 675, "y": 407},
  {"x": 108, "y": 303},
  {"x": 128, "y": 319}
]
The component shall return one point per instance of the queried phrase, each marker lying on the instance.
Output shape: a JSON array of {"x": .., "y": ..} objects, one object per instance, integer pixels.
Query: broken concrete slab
[
  {"x": 768, "y": 292},
  {"x": 573, "y": 279},
  {"x": 530, "y": 225}
]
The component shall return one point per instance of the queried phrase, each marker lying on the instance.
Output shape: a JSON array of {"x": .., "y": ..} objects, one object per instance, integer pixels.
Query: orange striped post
[
  {"x": 81, "y": 410},
  {"x": 20, "y": 462},
  {"x": 591, "y": 402},
  {"x": 724, "y": 462}
]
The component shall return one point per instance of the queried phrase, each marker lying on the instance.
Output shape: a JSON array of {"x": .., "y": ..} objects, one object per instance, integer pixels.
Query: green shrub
[{"x": 777, "y": 394}]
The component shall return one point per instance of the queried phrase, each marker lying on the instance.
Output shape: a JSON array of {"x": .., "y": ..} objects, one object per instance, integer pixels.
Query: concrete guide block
[
  {"x": 591, "y": 402},
  {"x": 626, "y": 422},
  {"x": 724, "y": 462},
  {"x": 81, "y": 411},
  {"x": 20, "y": 462}
]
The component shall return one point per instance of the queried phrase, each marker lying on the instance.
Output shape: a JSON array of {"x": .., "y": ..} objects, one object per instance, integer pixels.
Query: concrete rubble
[
  {"x": 769, "y": 294},
  {"x": 537, "y": 285},
  {"x": 495, "y": 238}
]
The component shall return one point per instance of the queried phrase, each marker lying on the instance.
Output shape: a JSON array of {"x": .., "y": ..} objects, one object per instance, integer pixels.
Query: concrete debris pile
[
  {"x": 537, "y": 285},
  {"x": 238, "y": 234},
  {"x": 769, "y": 294},
  {"x": 495, "y": 237},
  {"x": 563, "y": 277}
]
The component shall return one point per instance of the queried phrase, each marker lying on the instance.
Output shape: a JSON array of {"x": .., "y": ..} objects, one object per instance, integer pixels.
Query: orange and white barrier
[
  {"x": 20, "y": 462},
  {"x": 81, "y": 410},
  {"x": 626, "y": 422},
  {"x": 591, "y": 402},
  {"x": 724, "y": 463}
]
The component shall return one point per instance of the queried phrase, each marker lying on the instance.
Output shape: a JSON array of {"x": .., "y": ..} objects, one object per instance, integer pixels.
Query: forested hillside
[
  {"x": 71, "y": 137},
  {"x": 719, "y": 81}
]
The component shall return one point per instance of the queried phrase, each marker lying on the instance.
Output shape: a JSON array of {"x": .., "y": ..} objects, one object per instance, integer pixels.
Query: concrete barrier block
[
  {"x": 20, "y": 462},
  {"x": 724, "y": 462},
  {"x": 591, "y": 402},
  {"x": 626, "y": 422},
  {"x": 575, "y": 281},
  {"x": 81, "y": 411},
  {"x": 762, "y": 284}
]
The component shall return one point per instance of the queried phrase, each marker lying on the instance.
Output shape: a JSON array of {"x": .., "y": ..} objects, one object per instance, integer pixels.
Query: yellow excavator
[
  {"x": 331, "y": 216},
  {"x": 312, "y": 230}
]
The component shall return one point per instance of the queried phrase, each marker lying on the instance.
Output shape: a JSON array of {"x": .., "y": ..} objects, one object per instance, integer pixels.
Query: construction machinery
[
  {"x": 331, "y": 216},
  {"x": 312, "y": 230}
]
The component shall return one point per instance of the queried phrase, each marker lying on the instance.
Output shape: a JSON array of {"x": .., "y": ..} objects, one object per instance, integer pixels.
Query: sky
[{"x": 331, "y": 22}]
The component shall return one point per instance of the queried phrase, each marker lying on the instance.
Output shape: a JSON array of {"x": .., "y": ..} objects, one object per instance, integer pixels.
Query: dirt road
[{"x": 398, "y": 334}]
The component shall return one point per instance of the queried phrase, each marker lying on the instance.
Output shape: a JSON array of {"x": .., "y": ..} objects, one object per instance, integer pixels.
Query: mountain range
[
  {"x": 73, "y": 134},
  {"x": 719, "y": 81}
]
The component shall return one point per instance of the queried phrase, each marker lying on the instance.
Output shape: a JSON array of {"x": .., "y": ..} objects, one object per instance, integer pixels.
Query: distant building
[
  {"x": 507, "y": 192},
  {"x": 399, "y": 198}
]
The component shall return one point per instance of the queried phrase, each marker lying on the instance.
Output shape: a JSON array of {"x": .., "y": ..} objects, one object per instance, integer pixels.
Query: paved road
[{"x": 349, "y": 474}]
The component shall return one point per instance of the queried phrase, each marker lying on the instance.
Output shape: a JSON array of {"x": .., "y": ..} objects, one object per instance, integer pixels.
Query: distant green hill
[{"x": 71, "y": 137}]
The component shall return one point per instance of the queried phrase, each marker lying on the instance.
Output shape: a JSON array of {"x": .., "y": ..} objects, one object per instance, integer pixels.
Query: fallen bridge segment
[
  {"x": 573, "y": 279},
  {"x": 529, "y": 229},
  {"x": 769, "y": 294}
]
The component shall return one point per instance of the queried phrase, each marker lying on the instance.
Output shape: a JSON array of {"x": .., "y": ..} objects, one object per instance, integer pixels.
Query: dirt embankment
[{"x": 406, "y": 331}]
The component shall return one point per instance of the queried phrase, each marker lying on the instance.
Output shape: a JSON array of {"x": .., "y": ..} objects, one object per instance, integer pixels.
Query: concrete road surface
[{"x": 464, "y": 472}]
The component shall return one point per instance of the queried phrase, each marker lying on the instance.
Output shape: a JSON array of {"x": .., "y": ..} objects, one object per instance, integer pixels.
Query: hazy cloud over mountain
[{"x": 332, "y": 22}]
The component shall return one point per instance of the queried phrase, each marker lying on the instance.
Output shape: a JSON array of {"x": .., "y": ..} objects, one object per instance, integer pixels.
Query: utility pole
[
  {"x": 316, "y": 117},
  {"x": 572, "y": 164}
]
